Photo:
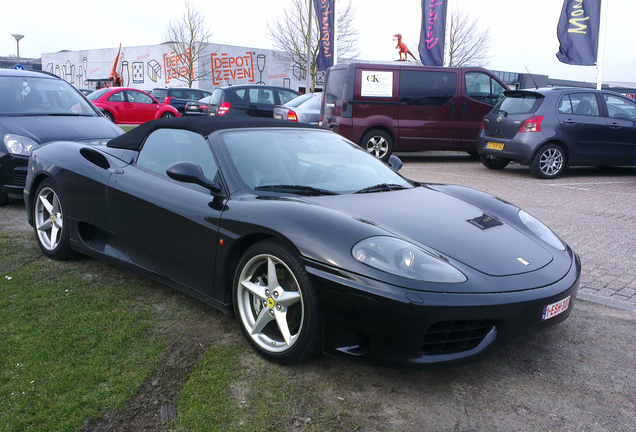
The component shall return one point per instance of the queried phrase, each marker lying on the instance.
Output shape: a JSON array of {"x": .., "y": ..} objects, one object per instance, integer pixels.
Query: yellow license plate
[{"x": 495, "y": 146}]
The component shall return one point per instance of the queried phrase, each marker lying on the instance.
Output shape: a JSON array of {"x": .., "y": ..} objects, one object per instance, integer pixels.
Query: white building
[{"x": 156, "y": 66}]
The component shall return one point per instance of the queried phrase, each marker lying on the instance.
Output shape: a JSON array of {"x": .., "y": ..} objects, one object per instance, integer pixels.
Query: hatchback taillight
[
  {"x": 291, "y": 116},
  {"x": 532, "y": 124},
  {"x": 168, "y": 99},
  {"x": 204, "y": 107},
  {"x": 223, "y": 108}
]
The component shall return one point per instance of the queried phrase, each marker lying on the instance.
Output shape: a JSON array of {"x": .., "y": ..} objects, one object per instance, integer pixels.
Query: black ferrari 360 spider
[{"x": 314, "y": 244}]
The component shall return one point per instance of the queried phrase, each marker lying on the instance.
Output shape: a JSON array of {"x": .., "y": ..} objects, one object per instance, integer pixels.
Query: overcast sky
[{"x": 523, "y": 33}]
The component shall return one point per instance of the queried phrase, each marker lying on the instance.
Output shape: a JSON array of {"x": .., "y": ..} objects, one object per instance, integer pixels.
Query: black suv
[
  {"x": 551, "y": 129},
  {"x": 178, "y": 97},
  {"x": 249, "y": 100},
  {"x": 37, "y": 108}
]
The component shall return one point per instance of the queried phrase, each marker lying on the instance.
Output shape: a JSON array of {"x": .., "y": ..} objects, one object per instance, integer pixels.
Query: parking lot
[{"x": 592, "y": 209}]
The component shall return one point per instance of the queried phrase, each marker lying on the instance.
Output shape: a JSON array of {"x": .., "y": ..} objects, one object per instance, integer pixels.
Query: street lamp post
[{"x": 17, "y": 41}]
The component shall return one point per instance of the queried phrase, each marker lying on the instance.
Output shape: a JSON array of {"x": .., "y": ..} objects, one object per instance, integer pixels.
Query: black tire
[
  {"x": 262, "y": 304},
  {"x": 109, "y": 116},
  {"x": 4, "y": 199},
  {"x": 494, "y": 162},
  {"x": 167, "y": 115},
  {"x": 548, "y": 162},
  {"x": 50, "y": 222},
  {"x": 379, "y": 143}
]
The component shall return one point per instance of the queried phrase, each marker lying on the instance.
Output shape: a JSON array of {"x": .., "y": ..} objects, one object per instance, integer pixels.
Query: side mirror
[
  {"x": 395, "y": 163},
  {"x": 189, "y": 172}
]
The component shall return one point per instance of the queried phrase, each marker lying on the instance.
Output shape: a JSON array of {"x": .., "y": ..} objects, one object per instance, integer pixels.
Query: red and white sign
[
  {"x": 230, "y": 68},
  {"x": 554, "y": 309}
]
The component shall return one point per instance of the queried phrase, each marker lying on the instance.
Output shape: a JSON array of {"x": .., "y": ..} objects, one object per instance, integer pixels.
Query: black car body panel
[
  {"x": 190, "y": 238},
  {"x": 42, "y": 122}
]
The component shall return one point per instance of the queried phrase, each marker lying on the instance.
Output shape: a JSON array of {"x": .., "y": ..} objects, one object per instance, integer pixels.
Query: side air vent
[
  {"x": 95, "y": 157},
  {"x": 450, "y": 337}
]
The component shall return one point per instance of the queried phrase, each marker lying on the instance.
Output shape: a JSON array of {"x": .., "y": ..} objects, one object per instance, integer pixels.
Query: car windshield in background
[
  {"x": 520, "y": 103},
  {"x": 316, "y": 161},
  {"x": 34, "y": 96}
]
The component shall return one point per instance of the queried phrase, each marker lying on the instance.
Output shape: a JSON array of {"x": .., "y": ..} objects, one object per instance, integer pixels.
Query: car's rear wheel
[
  {"x": 167, "y": 115},
  {"x": 549, "y": 162},
  {"x": 379, "y": 143},
  {"x": 275, "y": 304},
  {"x": 494, "y": 162},
  {"x": 49, "y": 222},
  {"x": 109, "y": 116}
]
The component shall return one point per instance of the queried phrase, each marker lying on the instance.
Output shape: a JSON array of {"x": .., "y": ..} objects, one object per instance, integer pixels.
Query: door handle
[
  {"x": 464, "y": 107},
  {"x": 452, "y": 107},
  {"x": 615, "y": 126},
  {"x": 569, "y": 122}
]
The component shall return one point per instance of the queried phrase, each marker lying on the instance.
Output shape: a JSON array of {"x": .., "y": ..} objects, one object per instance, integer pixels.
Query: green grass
[
  {"x": 232, "y": 389},
  {"x": 71, "y": 347}
]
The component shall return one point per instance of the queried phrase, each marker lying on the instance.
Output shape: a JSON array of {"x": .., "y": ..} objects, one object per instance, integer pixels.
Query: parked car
[
  {"x": 550, "y": 129},
  {"x": 85, "y": 91},
  {"x": 179, "y": 97},
  {"x": 393, "y": 107},
  {"x": 313, "y": 243},
  {"x": 200, "y": 107},
  {"x": 304, "y": 108},
  {"x": 123, "y": 105},
  {"x": 249, "y": 100},
  {"x": 36, "y": 108}
]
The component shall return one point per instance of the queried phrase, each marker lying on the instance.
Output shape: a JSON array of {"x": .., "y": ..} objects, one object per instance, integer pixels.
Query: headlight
[
  {"x": 395, "y": 256},
  {"x": 542, "y": 231},
  {"x": 17, "y": 144}
]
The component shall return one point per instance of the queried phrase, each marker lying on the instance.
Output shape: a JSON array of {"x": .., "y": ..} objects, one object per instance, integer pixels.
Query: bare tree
[
  {"x": 289, "y": 34},
  {"x": 467, "y": 44},
  {"x": 187, "y": 38}
]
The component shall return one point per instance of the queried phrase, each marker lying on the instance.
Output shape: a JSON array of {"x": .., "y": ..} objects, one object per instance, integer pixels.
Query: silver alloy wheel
[
  {"x": 551, "y": 161},
  {"x": 270, "y": 303},
  {"x": 48, "y": 218},
  {"x": 377, "y": 146}
]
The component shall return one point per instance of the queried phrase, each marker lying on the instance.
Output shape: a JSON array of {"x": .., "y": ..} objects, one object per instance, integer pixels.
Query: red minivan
[{"x": 394, "y": 107}]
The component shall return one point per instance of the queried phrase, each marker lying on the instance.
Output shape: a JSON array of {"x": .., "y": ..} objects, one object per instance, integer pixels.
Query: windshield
[
  {"x": 305, "y": 160},
  {"x": 34, "y": 96}
]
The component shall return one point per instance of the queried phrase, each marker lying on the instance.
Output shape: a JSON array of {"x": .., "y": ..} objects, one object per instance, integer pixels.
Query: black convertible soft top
[{"x": 133, "y": 139}]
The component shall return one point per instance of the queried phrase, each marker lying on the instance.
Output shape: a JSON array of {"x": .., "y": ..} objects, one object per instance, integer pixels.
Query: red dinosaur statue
[
  {"x": 402, "y": 47},
  {"x": 118, "y": 81}
]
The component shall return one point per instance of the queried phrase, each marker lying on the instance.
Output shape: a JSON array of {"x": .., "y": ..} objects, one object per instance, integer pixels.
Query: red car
[{"x": 130, "y": 106}]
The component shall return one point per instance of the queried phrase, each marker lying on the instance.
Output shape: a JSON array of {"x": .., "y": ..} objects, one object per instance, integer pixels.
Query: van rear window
[
  {"x": 334, "y": 89},
  {"x": 425, "y": 88},
  {"x": 520, "y": 103}
]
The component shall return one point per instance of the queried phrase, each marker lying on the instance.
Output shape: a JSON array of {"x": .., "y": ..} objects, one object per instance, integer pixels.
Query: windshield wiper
[
  {"x": 382, "y": 187},
  {"x": 296, "y": 189}
]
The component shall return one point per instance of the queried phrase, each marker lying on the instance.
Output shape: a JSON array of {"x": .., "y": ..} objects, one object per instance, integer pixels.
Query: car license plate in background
[
  {"x": 555, "y": 309},
  {"x": 495, "y": 146},
  {"x": 278, "y": 116}
]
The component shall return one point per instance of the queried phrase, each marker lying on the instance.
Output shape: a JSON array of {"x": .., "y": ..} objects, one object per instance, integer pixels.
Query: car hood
[
  {"x": 43, "y": 129},
  {"x": 442, "y": 222}
]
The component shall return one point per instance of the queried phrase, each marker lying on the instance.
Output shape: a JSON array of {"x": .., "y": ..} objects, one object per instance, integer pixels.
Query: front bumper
[
  {"x": 13, "y": 172},
  {"x": 372, "y": 322}
]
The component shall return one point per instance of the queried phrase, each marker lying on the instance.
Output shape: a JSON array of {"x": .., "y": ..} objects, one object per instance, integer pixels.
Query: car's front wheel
[
  {"x": 275, "y": 303},
  {"x": 378, "y": 143},
  {"x": 49, "y": 222},
  {"x": 549, "y": 162},
  {"x": 494, "y": 162}
]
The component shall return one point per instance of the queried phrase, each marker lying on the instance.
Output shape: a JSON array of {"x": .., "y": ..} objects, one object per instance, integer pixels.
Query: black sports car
[{"x": 314, "y": 244}]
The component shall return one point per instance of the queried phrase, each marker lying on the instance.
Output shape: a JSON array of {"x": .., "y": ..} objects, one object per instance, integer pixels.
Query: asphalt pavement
[{"x": 593, "y": 209}]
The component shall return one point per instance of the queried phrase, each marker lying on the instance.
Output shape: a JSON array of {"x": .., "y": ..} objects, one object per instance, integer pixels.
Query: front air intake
[{"x": 450, "y": 337}]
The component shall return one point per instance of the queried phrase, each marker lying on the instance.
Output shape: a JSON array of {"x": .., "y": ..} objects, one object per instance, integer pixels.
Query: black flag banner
[
  {"x": 325, "y": 15},
  {"x": 433, "y": 32},
  {"x": 578, "y": 31}
]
